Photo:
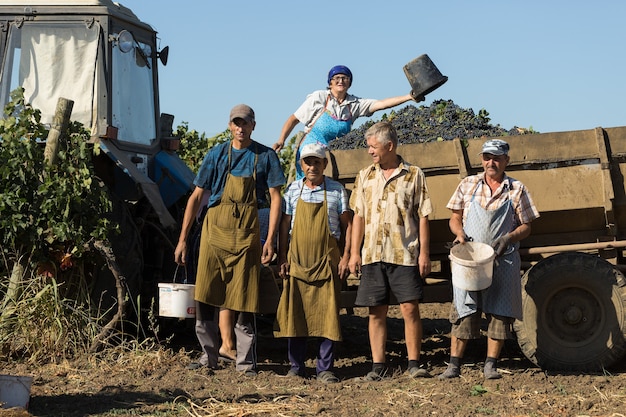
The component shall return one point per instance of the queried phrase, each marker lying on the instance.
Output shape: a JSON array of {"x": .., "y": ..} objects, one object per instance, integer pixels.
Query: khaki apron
[
  {"x": 309, "y": 303},
  {"x": 230, "y": 248}
]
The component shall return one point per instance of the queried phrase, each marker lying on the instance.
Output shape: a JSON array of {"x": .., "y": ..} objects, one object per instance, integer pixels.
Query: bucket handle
[
  {"x": 176, "y": 273},
  {"x": 450, "y": 245}
]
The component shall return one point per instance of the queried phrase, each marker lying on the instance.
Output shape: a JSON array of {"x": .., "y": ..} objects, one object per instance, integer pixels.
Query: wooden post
[
  {"x": 464, "y": 167},
  {"x": 59, "y": 125}
]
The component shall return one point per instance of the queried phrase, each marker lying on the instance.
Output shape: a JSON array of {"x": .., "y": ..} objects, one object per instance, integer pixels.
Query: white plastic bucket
[
  {"x": 472, "y": 265},
  {"x": 176, "y": 300},
  {"x": 15, "y": 391}
]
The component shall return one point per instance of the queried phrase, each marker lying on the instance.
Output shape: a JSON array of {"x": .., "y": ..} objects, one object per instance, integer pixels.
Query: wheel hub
[{"x": 573, "y": 315}]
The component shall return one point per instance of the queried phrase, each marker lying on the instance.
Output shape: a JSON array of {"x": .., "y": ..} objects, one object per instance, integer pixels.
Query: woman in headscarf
[{"x": 329, "y": 114}]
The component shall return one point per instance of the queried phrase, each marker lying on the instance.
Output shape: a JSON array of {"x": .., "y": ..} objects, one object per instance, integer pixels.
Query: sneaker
[
  {"x": 373, "y": 376},
  {"x": 492, "y": 374},
  {"x": 450, "y": 372},
  {"x": 327, "y": 377},
  {"x": 194, "y": 365},
  {"x": 416, "y": 372},
  {"x": 197, "y": 366},
  {"x": 295, "y": 374}
]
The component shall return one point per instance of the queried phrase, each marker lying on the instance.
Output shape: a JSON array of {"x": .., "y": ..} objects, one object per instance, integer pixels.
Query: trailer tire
[{"x": 574, "y": 313}]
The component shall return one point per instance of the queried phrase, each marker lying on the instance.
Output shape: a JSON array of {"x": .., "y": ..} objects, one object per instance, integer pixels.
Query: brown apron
[
  {"x": 230, "y": 248},
  {"x": 309, "y": 304}
]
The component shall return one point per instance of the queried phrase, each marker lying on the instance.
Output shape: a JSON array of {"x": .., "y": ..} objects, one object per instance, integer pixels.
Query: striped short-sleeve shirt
[{"x": 336, "y": 200}]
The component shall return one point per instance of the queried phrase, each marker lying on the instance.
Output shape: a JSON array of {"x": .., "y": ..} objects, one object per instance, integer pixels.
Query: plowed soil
[{"x": 154, "y": 382}]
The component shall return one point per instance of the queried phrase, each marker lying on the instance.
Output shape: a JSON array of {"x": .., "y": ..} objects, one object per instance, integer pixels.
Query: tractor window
[
  {"x": 133, "y": 94},
  {"x": 50, "y": 61}
]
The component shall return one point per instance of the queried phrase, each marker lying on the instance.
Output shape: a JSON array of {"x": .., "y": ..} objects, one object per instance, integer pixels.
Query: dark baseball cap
[{"x": 242, "y": 111}]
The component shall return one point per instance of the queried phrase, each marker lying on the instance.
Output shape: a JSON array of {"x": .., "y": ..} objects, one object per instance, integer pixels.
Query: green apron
[
  {"x": 309, "y": 304},
  {"x": 230, "y": 248}
]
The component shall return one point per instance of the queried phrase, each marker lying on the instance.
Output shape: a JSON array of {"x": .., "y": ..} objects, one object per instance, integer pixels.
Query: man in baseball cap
[
  {"x": 313, "y": 149},
  {"x": 495, "y": 147},
  {"x": 495, "y": 209},
  {"x": 241, "y": 175},
  {"x": 242, "y": 111},
  {"x": 313, "y": 260}
]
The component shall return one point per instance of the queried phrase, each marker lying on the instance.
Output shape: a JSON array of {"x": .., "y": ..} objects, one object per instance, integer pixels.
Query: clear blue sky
[{"x": 551, "y": 65}]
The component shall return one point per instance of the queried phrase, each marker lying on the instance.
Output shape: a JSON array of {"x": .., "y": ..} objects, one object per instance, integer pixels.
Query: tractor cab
[{"x": 98, "y": 54}]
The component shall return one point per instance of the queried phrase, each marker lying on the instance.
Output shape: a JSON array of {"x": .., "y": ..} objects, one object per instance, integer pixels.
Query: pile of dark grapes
[{"x": 443, "y": 120}]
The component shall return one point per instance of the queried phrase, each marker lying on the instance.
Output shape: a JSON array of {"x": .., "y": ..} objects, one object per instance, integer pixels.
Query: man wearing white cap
[
  {"x": 491, "y": 208},
  {"x": 314, "y": 247}
]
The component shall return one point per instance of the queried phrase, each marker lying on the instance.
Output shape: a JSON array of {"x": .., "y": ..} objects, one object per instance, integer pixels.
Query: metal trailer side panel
[{"x": 575, "y": 178}]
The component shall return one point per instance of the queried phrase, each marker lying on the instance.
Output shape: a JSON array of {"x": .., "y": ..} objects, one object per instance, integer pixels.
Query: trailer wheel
[{"x": 574, "y": 313}]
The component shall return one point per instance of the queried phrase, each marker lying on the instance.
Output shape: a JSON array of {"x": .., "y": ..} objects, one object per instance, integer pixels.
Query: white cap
[{"x": 313, "y": 149}]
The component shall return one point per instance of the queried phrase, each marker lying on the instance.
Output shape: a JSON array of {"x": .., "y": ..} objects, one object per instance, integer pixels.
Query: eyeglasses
[{"x": 342, "y": 78}]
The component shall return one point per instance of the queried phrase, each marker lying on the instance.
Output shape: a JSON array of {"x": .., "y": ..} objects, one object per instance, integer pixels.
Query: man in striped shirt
[{"x": 314, "y": 247}]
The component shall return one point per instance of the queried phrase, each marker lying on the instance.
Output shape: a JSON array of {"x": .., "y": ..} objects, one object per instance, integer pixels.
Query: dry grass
[
  {"x": 282, "y": 405},
  {"x": 149, "y": 379}
]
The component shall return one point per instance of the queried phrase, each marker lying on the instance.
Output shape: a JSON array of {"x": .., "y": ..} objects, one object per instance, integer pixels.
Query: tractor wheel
[{"x": 574, "y": 313}]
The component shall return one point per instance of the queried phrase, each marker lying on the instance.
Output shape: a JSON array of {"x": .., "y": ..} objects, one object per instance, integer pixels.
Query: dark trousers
[{"x": 296, "y": 349}]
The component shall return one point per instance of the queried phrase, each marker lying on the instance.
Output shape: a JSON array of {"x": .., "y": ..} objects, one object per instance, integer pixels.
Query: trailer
[{"x": 574, "y": 290}]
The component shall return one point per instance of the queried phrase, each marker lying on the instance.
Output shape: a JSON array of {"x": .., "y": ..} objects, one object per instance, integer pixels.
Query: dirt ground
[{"x": 154, "y": 382}]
